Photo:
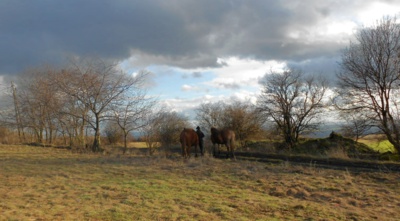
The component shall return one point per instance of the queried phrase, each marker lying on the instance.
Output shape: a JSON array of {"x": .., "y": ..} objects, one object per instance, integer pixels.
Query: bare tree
[
  {"x": 150, "y": 130},
  {"x": 37, "y": 105},
  {"x": 357, "y": 124},
  {"x": 72, "y": 120},
  {"x": 293, "y": 102},
  {"x": 17, "y": 112},
  {"x": 369, "y": 79},
  {"x": 68, "y": 102},
  {"x": 210, "y": 115},
  {"x": 95, "y": 85},
  {"x": 113, "y": 132},
  {"x": 169, "y": 126},
  {"x": 129, "y": 112},
  {"x": 10, "y": 112},
  {"x": 245, "y": 119},
  {"x": 241, "y": 117}
]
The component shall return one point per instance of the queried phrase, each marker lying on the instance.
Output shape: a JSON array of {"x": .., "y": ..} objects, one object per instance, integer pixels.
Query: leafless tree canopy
[
  {"x": 293, "y": 102},
  {"x": 50, "y": 102},
  {"x": 210, "y": 115},
  {"x": 130, "y": 111},
  {"x": 357, "y": 124},
  {"x": 167, "y": 126},
  {"x": 37, "y": 107},
  {"x": 241, "y": 117},
  {"x": 96, "y": 86},
  {"x": 369, "y": 80}
]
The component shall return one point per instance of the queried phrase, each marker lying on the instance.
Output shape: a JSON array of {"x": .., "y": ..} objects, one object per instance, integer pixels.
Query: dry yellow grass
[
  {"x": 52, "y": 184},
  {"x": 140, "y": 144}
]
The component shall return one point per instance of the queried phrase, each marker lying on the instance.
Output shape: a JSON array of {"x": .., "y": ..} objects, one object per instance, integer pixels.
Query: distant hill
[{"x": 325, "y": 130}]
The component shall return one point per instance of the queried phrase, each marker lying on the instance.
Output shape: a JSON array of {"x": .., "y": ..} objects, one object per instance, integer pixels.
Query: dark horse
[
  {"x": 188, "y": 139},
  {"x": 224, "y": 136}
]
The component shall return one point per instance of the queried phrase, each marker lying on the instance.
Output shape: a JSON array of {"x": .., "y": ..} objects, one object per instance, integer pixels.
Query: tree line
[
  {"x": 87, "y": 96},
  {"x": 75, "y": 101}
]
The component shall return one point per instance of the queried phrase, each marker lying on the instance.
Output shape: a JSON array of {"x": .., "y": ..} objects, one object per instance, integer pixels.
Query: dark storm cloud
[
  {"x": 46, "y": 31},
  {"x": 186, "y": 34},
  {"x": 325, "y": 66}
]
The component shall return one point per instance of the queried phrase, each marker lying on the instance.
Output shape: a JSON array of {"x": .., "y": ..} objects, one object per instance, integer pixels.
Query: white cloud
[
  {"x": 245, "y": 96},
  {"x": 376, "y": 11},
  {"x": 235, "y": 73},
  {"x": 186, "y": 87},
  {"x": 336, "y": 28},
  {"x": 187, "y": 106},
  {"x": 243, "y": 69}
]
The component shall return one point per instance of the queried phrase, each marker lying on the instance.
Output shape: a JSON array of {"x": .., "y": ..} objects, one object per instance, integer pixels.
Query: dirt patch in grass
[{"x": 39, "y": 183}]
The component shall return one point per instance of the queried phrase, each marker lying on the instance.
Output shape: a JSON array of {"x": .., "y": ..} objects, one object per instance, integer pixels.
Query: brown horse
[
  {"x": 224, "y": 136},
  {"x": 188, "y": 139}
]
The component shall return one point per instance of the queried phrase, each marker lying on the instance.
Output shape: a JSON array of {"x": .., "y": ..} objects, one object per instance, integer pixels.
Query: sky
[{"x": 196, "y": 51}]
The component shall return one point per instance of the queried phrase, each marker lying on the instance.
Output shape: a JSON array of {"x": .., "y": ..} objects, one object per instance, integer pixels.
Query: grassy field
[{"x": 39, "y": 183}]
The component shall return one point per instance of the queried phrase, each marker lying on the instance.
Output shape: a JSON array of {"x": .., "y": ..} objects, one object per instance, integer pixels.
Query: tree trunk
[
  {"x": 16, "y": 109},
  {"x": 81, "y": 132},
  {"x": 125, "y": 141},
  {"x": 96, "y": 142}
]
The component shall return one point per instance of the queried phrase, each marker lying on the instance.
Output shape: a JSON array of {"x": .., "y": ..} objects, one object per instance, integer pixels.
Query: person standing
[{"x": 200, "y": 134}]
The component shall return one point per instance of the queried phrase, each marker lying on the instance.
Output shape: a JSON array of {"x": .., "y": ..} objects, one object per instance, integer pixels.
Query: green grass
[
  {"x": 381, "y": 146},
  {"x": 39, "y": 183}
]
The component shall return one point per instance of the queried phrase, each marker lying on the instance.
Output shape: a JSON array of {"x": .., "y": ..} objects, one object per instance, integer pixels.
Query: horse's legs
[
  {"x": 232, "y": 151},
  {"x": 227, "y": 149},
  {"x": 183, "y": 150},
  {"x": 214, "y": 149},
  {"x": 188, "y": 152}
]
